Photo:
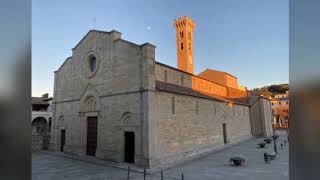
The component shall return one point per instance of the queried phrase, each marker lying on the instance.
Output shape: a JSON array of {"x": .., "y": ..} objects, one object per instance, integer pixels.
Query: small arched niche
[
  {"x": 90, "y": 104},
  {"x": 60, "y": 123},
  {"x": 125, "y": 118}
]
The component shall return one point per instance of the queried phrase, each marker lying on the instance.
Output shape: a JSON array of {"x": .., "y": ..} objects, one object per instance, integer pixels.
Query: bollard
[
  {"x": 161, "y": 175},
  {"x": 144, "y": 174},
  {"x": 128, "y": 172},
  {"x": 275, "y": 146},
  {"x": 182, "y": 177},
  {"x": 266, "y": 158},
  {"x": 281, "y": 146}
]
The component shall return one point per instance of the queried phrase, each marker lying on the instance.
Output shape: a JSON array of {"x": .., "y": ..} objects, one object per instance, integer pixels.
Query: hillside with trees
[{"x": 271, "y": 90}]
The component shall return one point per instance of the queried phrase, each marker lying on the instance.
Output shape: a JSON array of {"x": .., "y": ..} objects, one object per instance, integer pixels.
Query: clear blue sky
[{"x": 246, "y": 38}]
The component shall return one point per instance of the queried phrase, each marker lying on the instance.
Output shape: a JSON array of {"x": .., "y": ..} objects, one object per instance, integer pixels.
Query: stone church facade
[{"x": 114, "y": 101}]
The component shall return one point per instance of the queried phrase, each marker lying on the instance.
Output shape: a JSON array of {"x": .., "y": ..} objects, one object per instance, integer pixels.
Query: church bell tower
[{"x": 184, "y": 33}]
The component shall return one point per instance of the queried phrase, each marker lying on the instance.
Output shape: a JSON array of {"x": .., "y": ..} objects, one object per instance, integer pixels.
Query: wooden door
[
  {"x": 92, "y": 136},
  {"x": 62, "y": 139},
  {"x": 129, "y": 147},
  {"x": 225, "y": 135}
]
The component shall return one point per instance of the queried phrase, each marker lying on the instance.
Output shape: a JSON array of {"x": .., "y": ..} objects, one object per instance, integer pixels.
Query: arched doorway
[
  {"x": 39, "y": 126},
  {"x": 90, "y": 111},
  {"x": 40, "y": 137},
  {"x": 128, "y": 137},
  {"x": 90, "y": 116}
]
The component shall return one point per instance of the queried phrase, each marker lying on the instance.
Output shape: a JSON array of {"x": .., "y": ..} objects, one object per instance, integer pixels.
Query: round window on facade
[{"x": 91, "y": 64}]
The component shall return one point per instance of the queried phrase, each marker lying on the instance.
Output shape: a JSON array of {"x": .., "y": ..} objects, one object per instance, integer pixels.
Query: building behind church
[
  {"x": 280, "y": 110},
  {"x": 41, "y": 119},
  {"x": 113, "y": 100}
]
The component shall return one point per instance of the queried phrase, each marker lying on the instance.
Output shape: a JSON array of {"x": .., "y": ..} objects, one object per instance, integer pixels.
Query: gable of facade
[{"x": 117, "y": 66}]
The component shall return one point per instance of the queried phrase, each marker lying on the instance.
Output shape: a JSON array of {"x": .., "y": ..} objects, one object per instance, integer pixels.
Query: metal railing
[{"x": 154, "y": 176}]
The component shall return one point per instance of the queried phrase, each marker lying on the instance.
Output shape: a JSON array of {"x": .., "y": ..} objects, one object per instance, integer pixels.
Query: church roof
[
  {"x": 64, "y": 62},
  {"x": 94, "y": 31},
  {"x": 163, "y": 86},
  {"x": 216, "y": 71},
  {"x": 40, "y": 101},
  {"x": 198, "y": 76}
]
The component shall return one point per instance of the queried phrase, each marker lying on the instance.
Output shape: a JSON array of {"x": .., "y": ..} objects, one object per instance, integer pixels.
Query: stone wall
[
  {"x": 166, "y": 74},
  {"x": 194, "y": 127},
  {"x": 236, "y": 93},
  {"x": 208, "y": 87},
  {"x": 173, "y": 76},
  {"x": 36, "y": 142},
  {"x": 255, "y": 117},
  {"x": 40, "y": 142},
  {"x": 231, "y": 81},
  {"x": 261, "y": 117},
  {"x": 118, "y": 90},
  {"x": 267, "y": 117},
  {"x": 118, "y": 113}
]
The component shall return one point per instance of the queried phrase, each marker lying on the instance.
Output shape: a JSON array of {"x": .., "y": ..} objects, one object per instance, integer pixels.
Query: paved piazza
[{"x": 213, "y": 166}]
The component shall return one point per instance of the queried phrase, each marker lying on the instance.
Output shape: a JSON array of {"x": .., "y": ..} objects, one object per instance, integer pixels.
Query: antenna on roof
[{"x": 94, "y": 20}]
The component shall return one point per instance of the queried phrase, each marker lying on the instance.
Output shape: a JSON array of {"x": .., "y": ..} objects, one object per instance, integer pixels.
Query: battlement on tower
[{"x": 183, "y": 21}]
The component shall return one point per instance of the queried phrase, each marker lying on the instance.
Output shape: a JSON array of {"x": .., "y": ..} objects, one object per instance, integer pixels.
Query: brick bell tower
[{"x": 184, "y": 33}]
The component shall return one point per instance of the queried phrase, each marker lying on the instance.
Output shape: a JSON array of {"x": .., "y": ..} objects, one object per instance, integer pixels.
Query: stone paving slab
[
  {"x": 217, "y": 166},
  {"x": 124, "y": 166},
  {"x": 213, "y": 166}
]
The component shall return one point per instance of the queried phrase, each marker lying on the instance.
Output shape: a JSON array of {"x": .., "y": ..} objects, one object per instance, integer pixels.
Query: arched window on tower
[
  {"x": 181, "y": 46},
  {"x": 181, "y": 34}
]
